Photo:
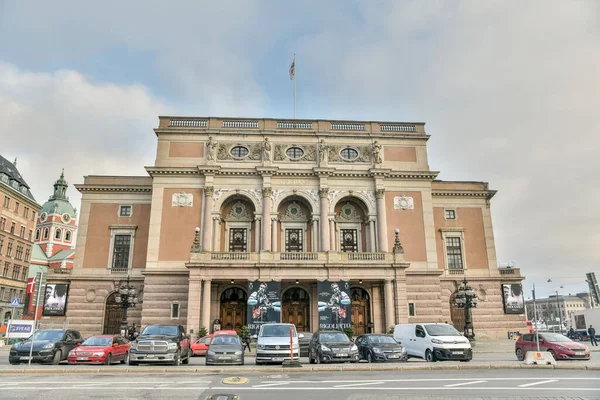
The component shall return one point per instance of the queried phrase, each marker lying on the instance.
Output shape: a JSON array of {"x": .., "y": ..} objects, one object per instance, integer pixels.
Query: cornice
[
  {"x": 113, "y": 189},
  {"x": 161, "y": 171},
  {"x": 486, "y": 194}
]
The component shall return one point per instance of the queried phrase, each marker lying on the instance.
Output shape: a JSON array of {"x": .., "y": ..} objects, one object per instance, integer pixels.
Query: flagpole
[{"x": 295, "y": 85}]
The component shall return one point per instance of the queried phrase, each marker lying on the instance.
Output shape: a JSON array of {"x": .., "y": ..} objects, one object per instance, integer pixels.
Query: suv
[
  {"x": 50, "y": 346},
  {"x": 273, "y": 343},
  {"x": 161, "y": 343}
]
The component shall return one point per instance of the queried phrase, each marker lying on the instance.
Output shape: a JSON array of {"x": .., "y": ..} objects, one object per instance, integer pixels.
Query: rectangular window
[
  {"x": 19, "y": 252},
  {"x": 22, "y": 232},
  {"x": 30, "y": 235},
  {"x": 9, "y": 248},
  {"x": 27, "y": 253},
  {"x": 293, "y": 240},
  {"x": 349, "y": 240},
  {"x": 121, "y": 250},
  {"x": 2, "y": 293},
  {"x": 33, "y": 215},
  {"x": 16, "y": 271},
  {"x": 24, "y": 273},
  {"x": 2, "y": 223},
  {"x": 454, "y": 251},
  {"x": 125, "y": 211},
  {"x": 174, "y": 310},
  {"x": 17, "y": 206},
  {"x": 450, "y": 214},
  {"x": 6, "y": 269},
  {"x": 13, "y": 226},
  {"x": 26, "y": 212},
  {"x": 6, "y": 201},
  {"x": 1, "y": 244},
  {"x": 411, "y": 309},
  {"x": 238, "y": 242}
]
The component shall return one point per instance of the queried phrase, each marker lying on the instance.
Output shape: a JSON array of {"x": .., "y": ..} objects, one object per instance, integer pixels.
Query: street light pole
[
  {"x": 559, "y": 313},
  {"x": 537, "y": 337},
  {"x": 127, "y": 298},
  {"x": 467, "y": 299}
]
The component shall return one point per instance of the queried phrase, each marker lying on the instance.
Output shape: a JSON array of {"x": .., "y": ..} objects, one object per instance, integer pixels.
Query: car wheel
[
  {"x": 429, "y": 356},
  {"x": 187, "y": 359},
  {"x": 310, "y": 360},
  {"x": 369, "y": 357},
  {"x": 177, "y": 359},
  {"x": 125, "y": 359},
  {"x": 520, "y": 354},
  {"x": 57, "y": 357},
  {"x": 132, "y": 362},
  {"x": 553, "y": 354},
  {"x": 108, "y": 359}
]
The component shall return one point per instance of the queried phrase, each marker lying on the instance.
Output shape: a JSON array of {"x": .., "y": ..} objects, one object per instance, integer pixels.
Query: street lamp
[
  {"x": 126, "y": 298},
  {"x": 560, "y": 327},
  {"x": 467, "y": 299},
  {"x": 398, "y": 249}
]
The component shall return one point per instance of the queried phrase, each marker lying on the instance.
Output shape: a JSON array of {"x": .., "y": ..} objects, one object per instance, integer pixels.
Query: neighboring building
[
  {"x": 293, "y": 203},
  {"x": 553, "y": 309},
  {"x": 18, "y": 211}
]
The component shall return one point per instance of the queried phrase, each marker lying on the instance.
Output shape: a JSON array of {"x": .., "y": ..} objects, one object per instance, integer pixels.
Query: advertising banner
[
  {"x": 20, "y": 329},
  {"x": 264, "y": 304},
  {"x": 334, "y": 305},
  {"x": 55, "y": 299},
  {"x": 512, "y": 295}
]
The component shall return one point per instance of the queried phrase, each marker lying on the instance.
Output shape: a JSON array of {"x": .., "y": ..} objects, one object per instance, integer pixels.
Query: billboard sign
[
  {"x": 334, "y": 305},
  {"x": 55, "y": 299},
  {"x": 264, "y": 304},
  {"x": 512, "y": 296}
]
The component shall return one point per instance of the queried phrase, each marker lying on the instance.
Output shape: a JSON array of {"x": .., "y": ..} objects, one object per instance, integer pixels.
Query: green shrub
[
  {"x": 202, "y": 332},
  {"x": 349, "y": 332}
]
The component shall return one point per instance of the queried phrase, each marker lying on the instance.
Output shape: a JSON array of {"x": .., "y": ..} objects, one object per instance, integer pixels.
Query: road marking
[
  {"x": 464, "y": 383},
  {"x": 538, "y": 383},
  {"x": 358, "y": 384},
  {"x": 89, "y": 384},
  {"x": 425, "y": 380},
  {"x": 270, "y": 384}
]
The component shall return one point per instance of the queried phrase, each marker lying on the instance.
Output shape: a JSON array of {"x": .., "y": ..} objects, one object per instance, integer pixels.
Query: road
[{"x": 479, "y": 384}]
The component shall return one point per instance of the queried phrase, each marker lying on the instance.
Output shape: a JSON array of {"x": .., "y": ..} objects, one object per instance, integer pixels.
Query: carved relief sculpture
[
  {"x": 211, "y": 147},
  {"x": 404, "y": 203},
  {"x": 294, "y": 213},
  {"x": 377, "y": 149},
  {"x": 182, "y": 200},
  {"x": 380, "y": 193},
  {"x": 209, "y": 191},
  {"x": 239, "y": 212},
  {"x": 267, "y": 191},
  {"x": 323, "y": 192},
  {"x": 266, "y": 150},
  {"x": 323, "y": 149}
]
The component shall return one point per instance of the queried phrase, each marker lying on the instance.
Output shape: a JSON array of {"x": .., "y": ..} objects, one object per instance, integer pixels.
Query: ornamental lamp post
[
  {"x": 467, "y": 299},
  {"x": 126, "y": 298}
]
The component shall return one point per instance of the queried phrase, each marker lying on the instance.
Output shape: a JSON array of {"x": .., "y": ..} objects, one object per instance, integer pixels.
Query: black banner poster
[
  {"x": 512, "y": 295},
  {"x": 334, "y": 305},
  {"x": 264, "y": 304},
  {"x": 55, "y": 300}
]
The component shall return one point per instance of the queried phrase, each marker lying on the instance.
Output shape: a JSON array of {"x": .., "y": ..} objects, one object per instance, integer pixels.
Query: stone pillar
[
  {"x": 206, "y": 305},
  {"x": 257, "y": 237},
  {"x": 389, "y": 304},
  {"x": 333, "y": 245},
  {"x": 266, "y": 220},
  {"x": 313, "y": 235},
  {"x": 372, "y": 246},
  {"x": 194, "y": 305},
  {"x": 324, "y": 239},
  {"x": 274, "y": 234},
  {"x": 381, "y": 220},
  {"x": 216, "y": 233},
  {"x": 209, "y": 193}
]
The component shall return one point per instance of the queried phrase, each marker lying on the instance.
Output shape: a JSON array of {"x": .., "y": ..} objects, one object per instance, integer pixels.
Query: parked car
[
  {"x": 161, "y": 343},
  {"x": 374, "y": 348},
  {"x": 273, "y": 343},
  {"x": 560, "y": 346},
  {"x": 50, "y": 346},
  {"x": 433, "y": 342},
  {"x": 332, "y": 346},
  {"x": 304, "y": 342},
  {"x": 225, "y": 349},
  {"x": 101, "y": 349},
  {"x": 200, "y": 346}
]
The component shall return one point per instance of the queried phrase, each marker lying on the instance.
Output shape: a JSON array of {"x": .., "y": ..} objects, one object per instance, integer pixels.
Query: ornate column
[
  {"x": 273, "y": 233},
  {"x": 333, "y": 243},
  {"x": 313, "y": 235},
  {"x": 266, "y": 214},
  {"x": 389, "y": 304},
  {"x": 372, "y": 246},
  {"x": 206, "y": 305},
  {"x": 381, "y": 221},
  {"x": 216, "y": 233},
  {"x": 209, "y": 192},
  {"x": 257, "y": 237},
  {"x": 324, "y": 239},
  {"x": 194, "y": 305}
]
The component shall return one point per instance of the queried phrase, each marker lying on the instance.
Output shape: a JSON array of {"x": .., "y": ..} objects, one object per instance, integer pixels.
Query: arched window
[
  {"x": 68, "y": 236},
  {"x": 58, "y": 234},
  {"x": 46, "y": 233},
  {"x": 37, "y": 234}
]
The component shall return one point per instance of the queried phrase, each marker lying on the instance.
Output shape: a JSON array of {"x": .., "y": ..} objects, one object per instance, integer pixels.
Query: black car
[
  {"x": 50, "y": 346},
  {"x": 332, "y": 346},
  {"x": 304, "y": 343},
  {"x": 375, "y": 348}
]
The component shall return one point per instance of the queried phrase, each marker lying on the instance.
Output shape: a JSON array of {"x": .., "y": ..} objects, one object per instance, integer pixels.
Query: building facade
[
  {"x": 18, "y": 211},
  {"x": 552, "y": 310},
  {"x": 229, "y": 202}
]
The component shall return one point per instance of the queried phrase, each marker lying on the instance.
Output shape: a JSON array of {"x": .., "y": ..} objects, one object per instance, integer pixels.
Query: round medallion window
[
  {"x": 349, "y": 154},
  {"x": 66, "y": 218},
  {"x": 43, "y": 217},
  {"x": 294, "y": 153},
  {"x": 239, "y": 151},
  {"x": 294, "y": 211}
]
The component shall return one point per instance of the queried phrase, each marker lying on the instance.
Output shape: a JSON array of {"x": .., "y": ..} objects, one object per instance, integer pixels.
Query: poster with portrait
[
  {"x": 264, "y": 304},
  {"x": 334, "y": 305},
  {"x": 55, "y": 299},
  {"x": 512, "y": 295}
]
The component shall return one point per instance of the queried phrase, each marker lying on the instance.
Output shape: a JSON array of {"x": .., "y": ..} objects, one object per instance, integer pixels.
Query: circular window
[
  {"x": 239, "y": 151},
  {"x": 349, "y": 154},
  {"x": 43, "y": 217},
  {"x": 295, "y": 153}
]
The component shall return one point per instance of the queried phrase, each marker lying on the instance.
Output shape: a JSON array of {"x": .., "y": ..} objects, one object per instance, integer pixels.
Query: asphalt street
[{"x": 475, "y": 384}]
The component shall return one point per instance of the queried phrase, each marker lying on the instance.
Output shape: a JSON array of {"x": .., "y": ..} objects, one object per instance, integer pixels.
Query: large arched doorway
[
  {"x": 234, "y": 301},
  {"x": 361, "y": 311},
  {"x": 457, "y": 314},
  {"x": 113, "y": 315},
  {"x": 295, "y": 308}
]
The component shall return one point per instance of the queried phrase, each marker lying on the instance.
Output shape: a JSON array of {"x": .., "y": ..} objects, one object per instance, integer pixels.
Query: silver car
[{"x": 225, "y": 349}]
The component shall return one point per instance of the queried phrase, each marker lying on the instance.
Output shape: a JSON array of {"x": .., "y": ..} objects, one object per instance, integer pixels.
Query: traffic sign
[{"x": 15, "y": 301}]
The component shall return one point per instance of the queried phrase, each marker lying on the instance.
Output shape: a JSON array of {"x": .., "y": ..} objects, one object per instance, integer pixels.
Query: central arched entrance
[
  {"x": 457, "y": 314},
  {"x": 113, "y": 315},
  {"x": 295, "y": 308},
  {"x": 361, "y": 311},
  {"x": 233, "y": 308}
]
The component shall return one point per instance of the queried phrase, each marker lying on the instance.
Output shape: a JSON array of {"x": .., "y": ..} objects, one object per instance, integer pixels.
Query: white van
[
  {"x": 273, "y": 343},
  {"x": 433, "y": 342}
]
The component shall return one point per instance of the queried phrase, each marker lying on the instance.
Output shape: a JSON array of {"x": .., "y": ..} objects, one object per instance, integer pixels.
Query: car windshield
[
  {"x": 98, "y": 341},
  {"x": 333, "y": 337},
  {"x": 555, "y": 337},
  {"x": 225, "y": 339},
  {"x": 159, "y": 330},
  {"x": 442, "y": 330},
  {"x": 48, "y": 335},
  {"x": 381, "y": 340},
  {"x": 277, "y": 331}
]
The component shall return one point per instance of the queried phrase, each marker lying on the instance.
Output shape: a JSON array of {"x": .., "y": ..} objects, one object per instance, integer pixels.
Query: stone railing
[
  {"x": 456, "y": 272},
  {"x": 119, "y": 270},
  {"x": 397, "y": 128},
  {"x": 294, "y": 125},
  {"x": 230, "y": 256},
  {"x": 282, "y": 258},
  {"x": 366, "y": 256},
  {"x": 298, "y": 256},
  {"x": 240, "y": 124},
  {"x": 188, "y": 123},
  {"x": 342, "y": 126}
]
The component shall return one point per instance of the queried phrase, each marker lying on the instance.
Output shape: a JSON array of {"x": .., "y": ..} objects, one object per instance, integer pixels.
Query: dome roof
[{"x": 58, "y": 203}]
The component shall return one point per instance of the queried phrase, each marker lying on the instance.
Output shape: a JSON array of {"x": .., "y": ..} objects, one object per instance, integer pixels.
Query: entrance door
[
  {"x": 361, "y": 314},
  {"x": 457, "y": 315},
  {"x": 233, "y": 309},
  {"x": 113, "y": 315},
  {"x": 294, "y": 310}
]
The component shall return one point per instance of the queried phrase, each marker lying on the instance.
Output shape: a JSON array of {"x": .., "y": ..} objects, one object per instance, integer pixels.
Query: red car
[
  {"x": 101, "y": 349},
  {"x": 200, "y": 346},
  {"x": 560, "y": 346}
]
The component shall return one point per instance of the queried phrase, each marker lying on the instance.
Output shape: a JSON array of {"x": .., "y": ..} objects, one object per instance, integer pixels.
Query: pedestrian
[
  {"x": 571, "y": 334},
  {"x": 246, "y": 343},
  {"x": 592, "y": 335}
]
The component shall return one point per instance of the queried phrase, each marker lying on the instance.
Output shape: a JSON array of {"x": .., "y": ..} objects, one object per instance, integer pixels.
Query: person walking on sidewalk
[
  {"x": 246, "y": 343},
  {"x": 592, "y": 335}
]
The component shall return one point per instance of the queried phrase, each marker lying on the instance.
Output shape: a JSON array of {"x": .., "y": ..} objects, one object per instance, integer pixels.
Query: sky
[{"x": 510, "y": 92}]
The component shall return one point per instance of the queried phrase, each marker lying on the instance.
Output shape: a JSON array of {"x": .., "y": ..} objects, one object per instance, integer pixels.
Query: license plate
[
  {"x": 82, "y": 358},
  {"x": 277, "y": 359},
  {"x": 341, "y": 355},
  {"x": 25, "y": 358},
  {"x": 224, "y": 357},
  {"x": 457, "y": 353},
  {"x": 393, "y": 356},
  {"x": 150, "y": 356}
]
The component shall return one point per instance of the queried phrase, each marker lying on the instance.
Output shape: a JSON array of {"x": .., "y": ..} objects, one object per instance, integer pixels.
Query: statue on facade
[
  {"x": 323, "y": 148},
  {"x": 377, "y": 149},
  {"x": 266, "y": 150},
  {"x": 211, "y": 146}
]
